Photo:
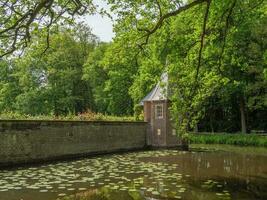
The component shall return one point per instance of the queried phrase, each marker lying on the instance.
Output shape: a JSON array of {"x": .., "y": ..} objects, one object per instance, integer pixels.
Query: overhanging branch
[{"x": 164, "y": 17}]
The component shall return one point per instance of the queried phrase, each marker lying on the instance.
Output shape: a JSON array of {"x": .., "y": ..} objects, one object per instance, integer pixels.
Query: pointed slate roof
[{"x": 159, "y": 92}]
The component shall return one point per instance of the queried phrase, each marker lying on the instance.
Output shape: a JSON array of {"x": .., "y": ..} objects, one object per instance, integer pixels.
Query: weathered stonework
[{"x": 35, "y": 141}]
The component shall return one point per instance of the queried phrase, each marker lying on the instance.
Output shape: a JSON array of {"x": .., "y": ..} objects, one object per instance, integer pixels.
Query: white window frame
[{"x": 159, "y": 111}]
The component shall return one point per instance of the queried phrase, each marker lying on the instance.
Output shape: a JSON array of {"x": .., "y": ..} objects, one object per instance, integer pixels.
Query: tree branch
[
  {"x": 164, "y": 17},
  {"x": 18, "y": 34},
  {"x": 227, "y": 22},
  {"x": 204, "y": 28}
]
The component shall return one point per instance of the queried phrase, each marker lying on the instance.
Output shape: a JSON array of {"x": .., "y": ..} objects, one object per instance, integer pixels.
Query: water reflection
[{"x": 200, "y": 174}]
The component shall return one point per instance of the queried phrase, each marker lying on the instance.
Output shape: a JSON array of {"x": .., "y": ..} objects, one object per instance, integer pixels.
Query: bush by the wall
[{"x": 87, "y": 116}]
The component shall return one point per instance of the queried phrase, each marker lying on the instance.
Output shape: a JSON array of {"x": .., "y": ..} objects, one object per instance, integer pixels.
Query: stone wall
[{"x": 31, "y": 141}]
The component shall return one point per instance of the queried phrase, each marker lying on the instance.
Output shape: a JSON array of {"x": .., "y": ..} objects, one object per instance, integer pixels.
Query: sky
[{"x": 101, "y": 26}]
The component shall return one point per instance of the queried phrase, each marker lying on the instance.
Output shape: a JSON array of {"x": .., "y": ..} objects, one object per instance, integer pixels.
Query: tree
[
  {"x": 8, "y": 86},
  {"x": 112, "y": 76},
  {"x": 95, "y": 73},
  {"x": 52, "y": 83},
  {"x": 19, "y": 20}
]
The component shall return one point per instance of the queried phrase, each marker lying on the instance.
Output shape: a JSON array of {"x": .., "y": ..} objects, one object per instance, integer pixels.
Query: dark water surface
[{"x": 204, "y": 173}]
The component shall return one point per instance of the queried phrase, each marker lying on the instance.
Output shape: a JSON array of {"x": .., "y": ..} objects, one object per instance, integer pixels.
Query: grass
[
  {"x": 87, "y": 116},
  {"x": 231, "y": 139}
]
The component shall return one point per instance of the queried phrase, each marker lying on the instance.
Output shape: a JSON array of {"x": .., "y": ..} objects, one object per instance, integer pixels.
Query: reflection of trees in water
[
  {"x": 236, "y": 189},
  {"x": 206, "y": 189},
  {"x": 225, "y": 164},
  {"x": 253, "y": 188}
]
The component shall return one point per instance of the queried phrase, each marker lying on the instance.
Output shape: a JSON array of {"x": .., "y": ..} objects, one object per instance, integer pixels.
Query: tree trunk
[
  {"x": 196, "y": 128},
  {"x": 185, "y": 144},
  {"x": 211, "y": 123},
  {"x": 243, "y": 116}
]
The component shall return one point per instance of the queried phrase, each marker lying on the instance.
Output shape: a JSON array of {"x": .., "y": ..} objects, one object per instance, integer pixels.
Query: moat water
[{"x": 210, "y": 172}]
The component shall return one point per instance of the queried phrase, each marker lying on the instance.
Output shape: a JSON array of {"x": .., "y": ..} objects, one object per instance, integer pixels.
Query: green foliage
[
  {"x": 50, "y": 83},
  {"x": 110, "y": 69},
  {"x": 231, "y": 139},
  {"x": 95, "y": 73},
  {"x": 121, "y": 69},
  {"x": 8, "y": 86}
]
